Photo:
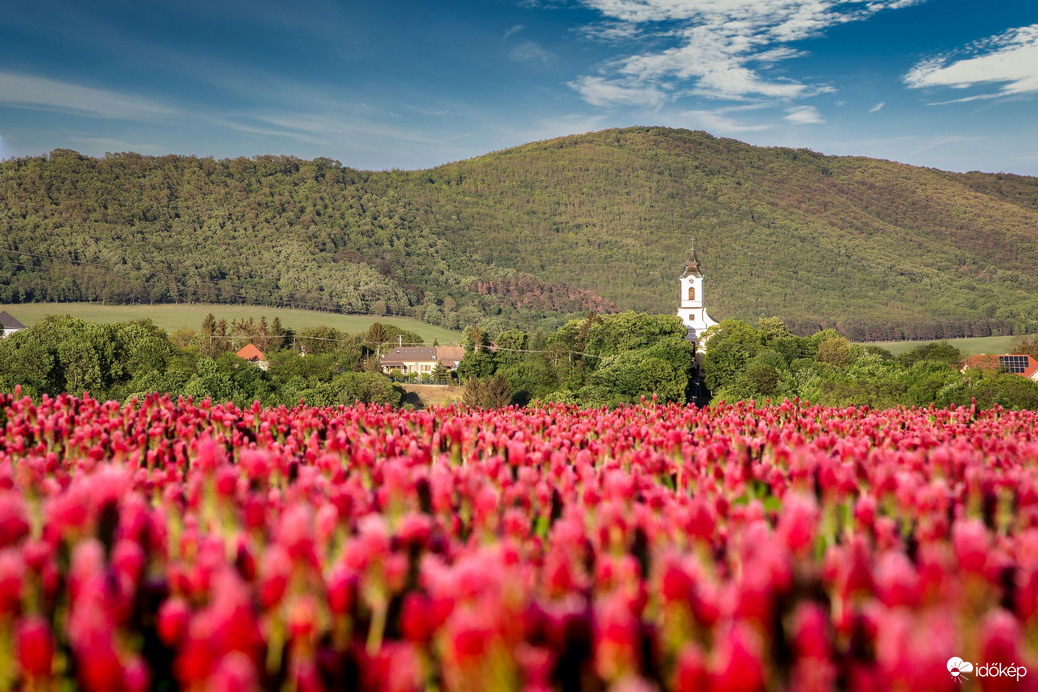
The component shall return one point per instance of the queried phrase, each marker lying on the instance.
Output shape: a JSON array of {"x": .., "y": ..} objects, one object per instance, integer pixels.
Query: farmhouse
[
  {"x": 421, "y": 359},
  {"x": 1016, "y": 363},
  {"x": 9, "y": 325},
  {"x": 252, "y": 354}
]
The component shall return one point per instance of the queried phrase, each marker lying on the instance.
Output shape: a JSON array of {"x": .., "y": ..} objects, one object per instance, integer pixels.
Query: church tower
[{"x": 691, "y": 308}]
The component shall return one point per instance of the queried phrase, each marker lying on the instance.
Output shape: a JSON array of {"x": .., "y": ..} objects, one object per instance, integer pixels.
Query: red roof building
[
  {"x": 1016, "y": 363},
  {"x": 251, "y": 354}
]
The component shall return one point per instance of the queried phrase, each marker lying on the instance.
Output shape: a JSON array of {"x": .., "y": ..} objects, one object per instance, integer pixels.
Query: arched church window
[{"x": 691, "y": 292}]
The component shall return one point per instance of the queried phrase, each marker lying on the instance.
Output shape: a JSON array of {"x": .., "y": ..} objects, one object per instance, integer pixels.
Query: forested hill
[{"x": 531, "y": 235}]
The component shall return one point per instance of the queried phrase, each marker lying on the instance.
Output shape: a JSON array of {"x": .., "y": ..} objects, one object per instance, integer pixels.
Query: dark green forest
[{"x": 533, "y": 236}]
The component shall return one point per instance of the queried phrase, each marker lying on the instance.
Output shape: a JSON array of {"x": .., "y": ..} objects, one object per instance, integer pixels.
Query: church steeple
[
  {"x": 691, "y": 306},
  {"x": 692, "y": 265}
]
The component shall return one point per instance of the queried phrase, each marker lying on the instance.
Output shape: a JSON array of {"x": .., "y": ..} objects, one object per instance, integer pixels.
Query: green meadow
[
  {"x": 171, "y": 317},
  {"x": 982, "y": 344}
]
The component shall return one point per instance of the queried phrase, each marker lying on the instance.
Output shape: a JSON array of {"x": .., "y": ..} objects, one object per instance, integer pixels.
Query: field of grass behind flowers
[{"x": 174, "y": 545}]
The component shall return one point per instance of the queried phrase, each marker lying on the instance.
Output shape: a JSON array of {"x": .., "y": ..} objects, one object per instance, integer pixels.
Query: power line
[{"x": 297, "y": 337}]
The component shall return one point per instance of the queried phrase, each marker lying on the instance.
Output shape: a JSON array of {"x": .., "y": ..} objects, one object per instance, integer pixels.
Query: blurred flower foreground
[{"x": 169, "y": 545}]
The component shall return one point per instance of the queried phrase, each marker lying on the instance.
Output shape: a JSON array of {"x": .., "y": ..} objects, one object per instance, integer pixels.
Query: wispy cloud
[
  {"x": 599, "y": 91},
  {"x": 327, "y": 129},
  {"x": 803, "y": 115},
  {"x": 719, "y": 121},
  {"x": 1010, "y": 59},
  {"x": 513, "y": 29},
  {"x": 531, "y": 51},
  {"x": 42, "y": 93},
  {"x": 715, "y": 48},
  {"x": 117, "y": 145},
  {"x": 878, "y": 107}
]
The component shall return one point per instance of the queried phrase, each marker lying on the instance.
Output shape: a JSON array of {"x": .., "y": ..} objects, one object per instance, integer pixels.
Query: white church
[{"x": 691, "y": 308}]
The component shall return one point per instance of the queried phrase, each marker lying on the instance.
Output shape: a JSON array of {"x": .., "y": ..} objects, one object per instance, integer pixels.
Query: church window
[{"x": 691, "y": 292}]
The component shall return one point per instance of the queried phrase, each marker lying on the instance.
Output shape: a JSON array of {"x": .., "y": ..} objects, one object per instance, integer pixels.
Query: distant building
[
  {"x": 421, "y": 360},
  {"x": 691, "y": 303},
  {"x": 1019, "y": 365},
  {"x": 1016, "y": 363},
  {"x": 252, "y": 354},
  {"x": 8, "y": 324}
]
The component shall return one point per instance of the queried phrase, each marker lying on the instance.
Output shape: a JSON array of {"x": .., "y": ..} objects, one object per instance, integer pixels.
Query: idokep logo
[{"x": 958, "y": 669}]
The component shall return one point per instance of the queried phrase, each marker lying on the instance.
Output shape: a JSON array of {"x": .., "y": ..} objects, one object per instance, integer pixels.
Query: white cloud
[
  {"x": 603, "y": 92},
  {"x": 41, "y": 93},
  {"x": 803, "y": 115},
  {"x": 717, "y": 48},
  {"x": 513, "y": 29},
  {"x": 878, "y": 107},
  {"x": 531, "y": 51},
  {"x": 1009, "y": 59},
  {"x": 719, "y": 122}
]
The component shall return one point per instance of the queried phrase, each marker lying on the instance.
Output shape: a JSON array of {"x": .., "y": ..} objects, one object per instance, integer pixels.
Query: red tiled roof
[
  {"x": 1032, "y": 368},
  {"x": 991, "y": 361},
  {"x": 251, "y": 353},
  {"x": 981, "y": 361}
]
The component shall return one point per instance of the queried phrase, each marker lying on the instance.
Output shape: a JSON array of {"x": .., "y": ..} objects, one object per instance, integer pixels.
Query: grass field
[
  {"x": 427, "y": 395},
  {"x": 171, "y": 317},
  {"x": 983, "y": 344}
]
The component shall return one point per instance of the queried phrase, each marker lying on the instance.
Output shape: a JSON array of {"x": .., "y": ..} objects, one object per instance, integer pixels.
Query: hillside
[{"x": 531, "y": 235}]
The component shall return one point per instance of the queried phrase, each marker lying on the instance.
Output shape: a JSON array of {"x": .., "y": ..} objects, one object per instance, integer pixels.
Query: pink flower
[
  {"x": 35, "y": 646},
  {"x": 970, "y": 538},
  {"x": 737, "y": 664},
  {"x": 797, "y": 521},
  {"x": 234, "y": 673},
  {"x": 14, "y": 522},
  {"x": 691, "y": 673},
  {"x": 12, "y": 575},
  {"x": 173, "y": 618}
]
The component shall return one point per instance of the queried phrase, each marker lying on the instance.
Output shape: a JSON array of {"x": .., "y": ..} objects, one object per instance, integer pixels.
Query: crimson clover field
[{"x": 173, "y": 545}]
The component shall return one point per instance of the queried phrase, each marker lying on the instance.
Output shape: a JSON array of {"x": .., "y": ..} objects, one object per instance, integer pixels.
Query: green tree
[
  {"x": 835, "y": 351},
  {"x": 729, "y": 347}
]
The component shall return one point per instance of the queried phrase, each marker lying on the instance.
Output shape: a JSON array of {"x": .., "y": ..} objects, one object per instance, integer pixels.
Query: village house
[
  {"x": 9, "y": 325},
  {"x": 421, "y": 360},
  {"x": 252, "y": 354},
  {"x": 1016, "y": 363}
]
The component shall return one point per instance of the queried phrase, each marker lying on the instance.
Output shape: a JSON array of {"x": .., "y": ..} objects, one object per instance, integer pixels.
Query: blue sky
[{"x": 946, "y": 83}]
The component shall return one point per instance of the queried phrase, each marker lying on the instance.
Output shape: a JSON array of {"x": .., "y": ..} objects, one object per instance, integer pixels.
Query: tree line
[
  {"x": 597, "y": 360},
  {"x": 320, "y": 366},
  {"x": 770, "y": 362}
]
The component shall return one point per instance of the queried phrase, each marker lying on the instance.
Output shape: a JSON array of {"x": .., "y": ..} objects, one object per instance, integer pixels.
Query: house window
[{"x": 691, "y": 292}]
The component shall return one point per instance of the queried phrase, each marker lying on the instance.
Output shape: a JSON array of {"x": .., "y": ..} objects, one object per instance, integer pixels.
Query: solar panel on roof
[{"x": 1014, "y": 364}]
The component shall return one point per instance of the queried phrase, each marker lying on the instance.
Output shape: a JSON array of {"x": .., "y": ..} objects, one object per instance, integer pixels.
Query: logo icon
[{"x": 956, "y": 666}]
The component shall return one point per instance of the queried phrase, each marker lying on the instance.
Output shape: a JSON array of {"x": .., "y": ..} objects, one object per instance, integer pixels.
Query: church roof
[{"x": 692, "y": 265}]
